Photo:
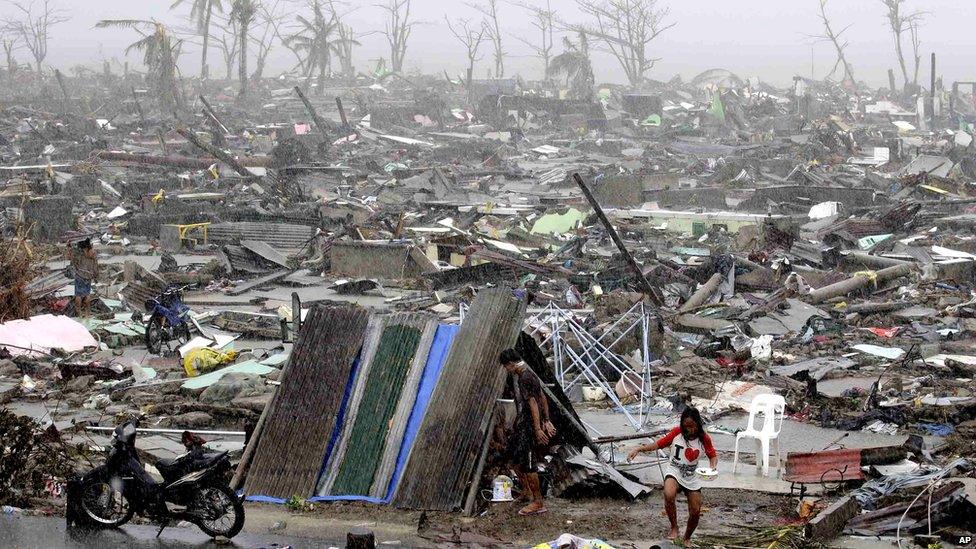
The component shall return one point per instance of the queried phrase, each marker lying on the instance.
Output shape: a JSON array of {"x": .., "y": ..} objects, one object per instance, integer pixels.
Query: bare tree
[
  {"x": 229, "y": 43},
  {"x": 269, "y": 19},
  {"x": 901, "y": 21},
  {"x": 626, "y": 28},
  {"x": 835, "y": 38},
  {"x": 543, "y": 19},
  {"x": 32, "y": 23},
  {"x": 397, "y": 28},
  {"x": 201, "y": 12},
  {"x": 470, "y": 38},
  {"x": 493, "y": 27},
  {"x": 10, "y": 45},
  {"x": 243, "y": 13}
]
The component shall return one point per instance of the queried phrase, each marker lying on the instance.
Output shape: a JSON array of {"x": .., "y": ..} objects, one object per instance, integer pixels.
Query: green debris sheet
[{"x": 392, "y": 370}]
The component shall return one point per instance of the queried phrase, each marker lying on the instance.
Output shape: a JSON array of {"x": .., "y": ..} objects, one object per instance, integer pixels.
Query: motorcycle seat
[{"x": 165, "y": 465}]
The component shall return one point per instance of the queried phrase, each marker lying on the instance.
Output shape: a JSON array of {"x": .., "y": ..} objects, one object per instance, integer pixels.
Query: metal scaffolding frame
[{"x": 576, "y": 352}]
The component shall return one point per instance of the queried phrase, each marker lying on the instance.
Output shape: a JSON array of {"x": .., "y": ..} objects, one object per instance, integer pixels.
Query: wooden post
[
  {"x": 360, "y": 538},
  {"x": 215, "y": 152},
  {"x": 213, "y": 114},
  {"x": 66, "y": 101},
  {"x": 891, "y": 81},
  {"x": 638, "y": 273},
  {"x": 320, "y": 123},
  {"x": 296, "y": 315},
  {"x": 932, "y": 96},
  {"x": 142, "y": 113},
  {"x": 474, "y": 488},
  {"x": 342, "y": 112}
]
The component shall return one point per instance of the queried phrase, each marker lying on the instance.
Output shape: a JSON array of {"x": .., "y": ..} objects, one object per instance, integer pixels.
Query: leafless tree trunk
[
  {"x": 544, "y": 19},
  {"x": 9, "y": 46},
  {"x": 899, "y": 22},
  {"x": 470, "y": 38},
  {"x": 271, "y": 19},
  {"x": 626, "y": 28},
  {"x": 916, "y": 44},
  {"x": 229, "y": 46},
  {"x": 32, "y": 22},
  {"x": 494, "y": 29},
  {"x": 397, "y": 30},
  {"x": 835, "y": 38}
]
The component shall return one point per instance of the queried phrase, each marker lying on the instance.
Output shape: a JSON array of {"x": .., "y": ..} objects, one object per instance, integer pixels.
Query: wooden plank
[
  {"x": 266, "y": 251},
  {"x": 445, "y": 453},
  {"x": 258, "y": 282}
]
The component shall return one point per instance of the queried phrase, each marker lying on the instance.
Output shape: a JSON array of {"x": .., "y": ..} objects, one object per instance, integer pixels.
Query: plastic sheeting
[{"x": 40, "y": 334}]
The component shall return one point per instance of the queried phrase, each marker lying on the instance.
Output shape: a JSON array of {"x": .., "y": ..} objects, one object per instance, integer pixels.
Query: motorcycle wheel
[
  {"x": 154, "y": 334},
  {"x": 104, "y": 506},
  {"x": 220, "y": 512}
]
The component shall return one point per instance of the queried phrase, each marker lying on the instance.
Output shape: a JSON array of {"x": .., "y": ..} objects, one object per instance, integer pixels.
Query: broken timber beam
[
  {"x": 701, "y": 296},
  {"x": 832, "y": 520},
  {"x": 645, "y": 286},
  {"x": 213, "y": 114},
  {"x": 215, "y": 152},
  {"x": 320, "y": 123},
  {"x": 176, "y": 161},
  {"x": 857, "y": 282}
]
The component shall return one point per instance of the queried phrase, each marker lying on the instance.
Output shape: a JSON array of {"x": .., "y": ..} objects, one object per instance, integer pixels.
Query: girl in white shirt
[{"x": 687, "y": 443}]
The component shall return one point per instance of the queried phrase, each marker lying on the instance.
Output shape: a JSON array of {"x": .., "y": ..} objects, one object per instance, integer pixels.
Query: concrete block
[{"x": 169, "y": 238}]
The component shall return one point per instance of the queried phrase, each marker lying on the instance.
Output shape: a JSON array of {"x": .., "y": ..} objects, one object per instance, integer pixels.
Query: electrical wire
[{"x": 910, "y": 505}]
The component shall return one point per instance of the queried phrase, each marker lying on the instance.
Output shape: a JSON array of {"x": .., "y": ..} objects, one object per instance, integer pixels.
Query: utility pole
[{"x": 642, "y": 282}]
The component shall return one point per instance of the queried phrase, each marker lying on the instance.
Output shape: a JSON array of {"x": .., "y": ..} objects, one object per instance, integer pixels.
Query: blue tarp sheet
[{"x": 441, "y": 344}]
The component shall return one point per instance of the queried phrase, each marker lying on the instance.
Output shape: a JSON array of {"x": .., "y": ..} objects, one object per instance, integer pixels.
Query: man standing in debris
[
  {"x": 533, "y": 429},
  {"x": 688, "y": 441},
  {"x": 84, "y": 264}
]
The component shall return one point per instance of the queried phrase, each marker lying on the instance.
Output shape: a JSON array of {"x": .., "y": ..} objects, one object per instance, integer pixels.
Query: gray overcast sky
[{"x": 764, "y": 38}]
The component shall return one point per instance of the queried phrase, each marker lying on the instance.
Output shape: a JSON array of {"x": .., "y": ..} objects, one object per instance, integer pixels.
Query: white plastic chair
[{"x": 773, "y": 410}]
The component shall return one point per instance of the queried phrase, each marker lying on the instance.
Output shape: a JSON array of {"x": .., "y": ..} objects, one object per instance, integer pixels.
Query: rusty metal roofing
[
  {"x": 442, "y": 462},
  {"x": 303, "y": 414},
  {"x": 828, "y": 466}
]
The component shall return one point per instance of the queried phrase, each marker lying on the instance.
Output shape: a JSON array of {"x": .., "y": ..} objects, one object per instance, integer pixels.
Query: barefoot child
[{"x": 688, "y": 443}]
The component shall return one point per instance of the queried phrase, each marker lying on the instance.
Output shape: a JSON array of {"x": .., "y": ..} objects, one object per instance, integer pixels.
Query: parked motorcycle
[
  {"x": 169, "y": 320},
  {"x": 194, "y": 489}
]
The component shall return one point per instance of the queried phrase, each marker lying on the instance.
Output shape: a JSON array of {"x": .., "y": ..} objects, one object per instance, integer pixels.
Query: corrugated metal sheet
[
  {"x": 829, "y": 466},
  {"x": 441, "y": 464},
  {"x": 303, "y": 414},
  {"x": 383, "y": 386},
  {"x": 283, "y": 236}
]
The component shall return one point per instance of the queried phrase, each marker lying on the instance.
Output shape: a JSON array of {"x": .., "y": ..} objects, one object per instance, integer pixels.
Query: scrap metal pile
[{"x": 818, "y": 242}]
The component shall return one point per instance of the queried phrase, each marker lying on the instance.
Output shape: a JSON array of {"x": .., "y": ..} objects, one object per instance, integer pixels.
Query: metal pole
[
  {"x": 174, "y": 431},
  {"x": 638, "y": 273},
  {"x": 932, "y": 95}
]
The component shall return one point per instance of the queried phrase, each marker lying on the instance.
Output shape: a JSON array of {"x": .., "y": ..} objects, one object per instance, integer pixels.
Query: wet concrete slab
[{"x": 26, "y": 532}]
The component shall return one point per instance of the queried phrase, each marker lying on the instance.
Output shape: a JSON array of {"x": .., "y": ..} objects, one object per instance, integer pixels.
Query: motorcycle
[
  {"x": 168, "y": 320},
  {"x": 194, "y": 489}
]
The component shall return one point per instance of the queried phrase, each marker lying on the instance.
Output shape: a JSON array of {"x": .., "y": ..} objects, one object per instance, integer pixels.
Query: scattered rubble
[{"x": 698, "y": 243}]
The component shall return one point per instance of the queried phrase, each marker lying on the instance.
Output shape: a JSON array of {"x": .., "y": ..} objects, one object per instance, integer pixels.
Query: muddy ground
[{"x": 725, "y": 512}]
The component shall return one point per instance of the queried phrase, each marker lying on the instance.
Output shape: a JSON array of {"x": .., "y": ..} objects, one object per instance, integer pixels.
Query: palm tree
[
  {"x": 575, "y": 63},
  {"x": 201, "y": 12},
  {"x": 314, "y": 39},
  {"x": 243, "y": 13},
  {"x": 160, "y": 53}
]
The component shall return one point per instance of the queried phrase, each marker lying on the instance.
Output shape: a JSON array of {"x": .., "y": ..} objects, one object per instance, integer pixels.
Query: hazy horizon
[{"x": 764, "y": 38}]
